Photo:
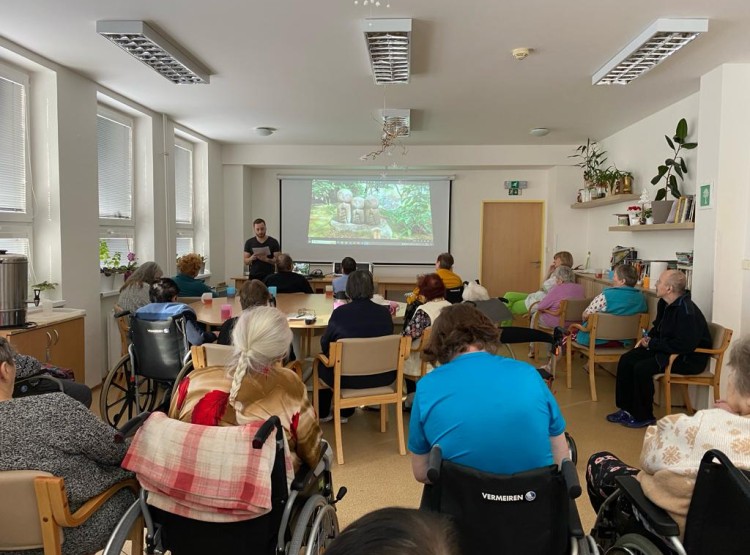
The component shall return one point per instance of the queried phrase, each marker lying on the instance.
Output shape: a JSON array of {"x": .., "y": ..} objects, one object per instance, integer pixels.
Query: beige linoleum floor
[{"x": 376, "y": 476}]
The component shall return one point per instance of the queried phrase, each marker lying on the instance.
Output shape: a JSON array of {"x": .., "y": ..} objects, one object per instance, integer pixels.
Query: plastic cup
[
  {"x": 272, "y": 290},
  {"x": 207, "y": 298},
  {"x": 329, "y": 291},
  {"x": 47, "y": 305},
  {"x": 226, "y": 311},
  {"x": 231, "y": 291},
  {"x": 598, "y": 274}
]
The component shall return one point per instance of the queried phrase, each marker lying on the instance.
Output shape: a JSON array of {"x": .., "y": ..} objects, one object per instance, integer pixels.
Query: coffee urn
[{"x": 14, "y": 271}]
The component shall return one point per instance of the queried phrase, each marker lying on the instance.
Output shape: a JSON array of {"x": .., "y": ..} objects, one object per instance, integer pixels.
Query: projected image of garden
[{"x": 370, "y": 212}]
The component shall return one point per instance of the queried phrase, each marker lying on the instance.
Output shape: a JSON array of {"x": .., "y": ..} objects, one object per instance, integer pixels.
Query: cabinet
[{"x": 60, "y": 343}]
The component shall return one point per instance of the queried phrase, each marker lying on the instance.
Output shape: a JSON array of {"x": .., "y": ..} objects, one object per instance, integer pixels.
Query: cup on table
[
  {"x": 47, "y": 305},
  {"x": 598, "y": 273},
  {"x": 207, "y": 298},
  {"x": 226, "y": 311},
  {"x": 272, "y": 290},
  {"x": 231, "y": 291},
  {"x": 329, "y": 291}
]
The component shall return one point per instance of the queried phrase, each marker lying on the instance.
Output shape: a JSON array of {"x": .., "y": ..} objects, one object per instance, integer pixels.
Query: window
[
  {"x": 184, "y": 196},
  {"x": 114, "y": 134},
  {"x": 16, "y": 217}
]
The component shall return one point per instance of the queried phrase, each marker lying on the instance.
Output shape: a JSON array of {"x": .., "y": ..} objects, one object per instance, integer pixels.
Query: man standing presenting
[
  {"x": 679, "y": 328},
  {"x": 260, "y": 251}
]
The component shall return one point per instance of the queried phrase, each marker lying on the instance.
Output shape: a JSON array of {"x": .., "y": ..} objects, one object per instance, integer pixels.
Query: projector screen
[{"x": 382, "y": 221}]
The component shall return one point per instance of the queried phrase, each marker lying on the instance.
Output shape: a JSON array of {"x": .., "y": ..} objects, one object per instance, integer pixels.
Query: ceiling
[{"x": 301, "y": 65}]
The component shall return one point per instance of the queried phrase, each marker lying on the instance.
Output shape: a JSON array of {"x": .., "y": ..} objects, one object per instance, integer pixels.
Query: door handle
[
  {"x": 57, "y": 336},
  {"x": 535, "y": 262},
  {"x": 47, "y": 353}
]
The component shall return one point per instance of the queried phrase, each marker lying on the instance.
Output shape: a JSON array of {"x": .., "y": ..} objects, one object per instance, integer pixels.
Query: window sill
[
  {"x": 203, "y": 276},
  {"x": 108, "y": 294}
]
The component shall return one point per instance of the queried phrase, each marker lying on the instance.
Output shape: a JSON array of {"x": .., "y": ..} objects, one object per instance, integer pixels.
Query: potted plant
[
  {"x": 39, "y": 287},
  {"x": 590, "y": 158},
  {"x": 109, "y": 265},
  {"x": 672, "y": 168},
  {"x": 648, "y": 217},
  {"x": 634, "y": 213}
]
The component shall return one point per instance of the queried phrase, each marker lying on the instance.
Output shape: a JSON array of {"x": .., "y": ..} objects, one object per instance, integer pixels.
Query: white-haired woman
[
  {"x": 254, "y": 386},
  {"x": 673, "y": 448}
]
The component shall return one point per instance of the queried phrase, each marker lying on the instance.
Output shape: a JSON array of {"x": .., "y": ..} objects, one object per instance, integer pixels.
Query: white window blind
[
  {"x": 184, "y": 245},
  {"x": 115, "y": 153},
  {"x": 12, "y": 146},
  {"x": 183, "y": 184},
  {"x": 15, "y": 245}
]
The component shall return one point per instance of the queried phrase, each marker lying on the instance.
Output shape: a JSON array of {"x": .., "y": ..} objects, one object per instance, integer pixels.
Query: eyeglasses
[{"x": 305, "y": 312}]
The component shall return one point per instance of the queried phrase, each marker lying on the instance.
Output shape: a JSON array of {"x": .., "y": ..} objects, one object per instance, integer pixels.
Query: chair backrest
[
  {"x": 495, "y": 309},
  {"x": 20, "y": 528},
  {"x": 720, "y": 339},
  {"x": 211, "y": 354},
  {"x": 526, "y": 512},
  {"x": 613, "y": 327},
  {"x": 574, "y": 309},
  {"x": 158, "y": 348},
  {"x": 373, "y": 355},
  {"x": 719, "y": 509},
  {"x": 454, "y": 295}
]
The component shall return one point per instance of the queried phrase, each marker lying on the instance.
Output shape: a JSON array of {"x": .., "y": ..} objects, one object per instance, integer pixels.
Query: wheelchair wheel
[
  {"x": 572, "y": 448},
  {"x": 634, "y": 544},
  {"x": 317, "y": 526},
  {"x": 183, "y": 372},
  {"x": 118, "y": 394}
]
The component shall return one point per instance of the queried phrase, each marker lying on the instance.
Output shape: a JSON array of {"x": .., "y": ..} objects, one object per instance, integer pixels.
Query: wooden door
[{"x": 512, "y": 246}]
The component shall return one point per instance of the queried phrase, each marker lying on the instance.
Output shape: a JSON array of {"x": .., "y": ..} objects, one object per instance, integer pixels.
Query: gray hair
[
  {"x": 739, "y": 360},
  {"x": 148, "y": 273},
  {"x": 564, "y": 274},
  {"x": 7, "y": 352},
  {"x": 284, "y": 262},
  {"x": 260, "y": 338},
  {"x": 677, "y": 280}
]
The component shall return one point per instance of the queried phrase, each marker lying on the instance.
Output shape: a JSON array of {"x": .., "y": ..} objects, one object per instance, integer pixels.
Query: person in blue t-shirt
[{"x": 486, "y": 412}]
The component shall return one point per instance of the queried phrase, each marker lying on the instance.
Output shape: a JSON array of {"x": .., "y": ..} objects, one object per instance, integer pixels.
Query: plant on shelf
[
  {"x": 674, "y": 166},
  {"x": 108, "y": 264},
  {"x": 45, "y": 286},
  {"x": 591, "y": 159},
  {"x": 647, "y": 215}
]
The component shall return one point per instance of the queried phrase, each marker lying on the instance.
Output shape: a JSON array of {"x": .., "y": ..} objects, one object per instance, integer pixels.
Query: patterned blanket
[{"x": 208, "y": 473}]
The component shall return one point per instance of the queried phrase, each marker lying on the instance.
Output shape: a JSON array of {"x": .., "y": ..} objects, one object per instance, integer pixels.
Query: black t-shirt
[
  {"x": 258, "y": 268},
  {"x": 288, "y": 282}
]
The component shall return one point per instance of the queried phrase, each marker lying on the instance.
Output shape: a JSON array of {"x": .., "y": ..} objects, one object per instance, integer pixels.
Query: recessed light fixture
[
  {"x": 663, "y": 38},
  {"x": 265, "y": 131},
  {"x": 389, "y": 46},
  {"x": 539, "y": 132},
  {"x": 521, "y": 53},
  {"x": 155, "y": 50}
]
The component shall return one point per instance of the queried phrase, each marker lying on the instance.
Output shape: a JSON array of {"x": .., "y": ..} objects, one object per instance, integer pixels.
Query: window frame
[{"x": 182, "y": 229}]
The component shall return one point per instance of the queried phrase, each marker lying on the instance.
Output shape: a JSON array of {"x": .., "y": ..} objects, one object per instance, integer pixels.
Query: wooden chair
[
  {"x": 356, "y": 357},
  {"x": 720, "y": 337},
  {"x": 537, "y": 324},
  {"x": 123, "y": 325},
  {"x": 35, "y": 511},
  {"x": 611, "y": 328},
  {"x": 212, "y": 354},
  {"x": 417, "y": 352}
]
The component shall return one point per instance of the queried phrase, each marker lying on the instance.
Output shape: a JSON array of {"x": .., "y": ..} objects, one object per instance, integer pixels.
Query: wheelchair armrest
[
  {"x": 570, "y": 476},
  {"x": 131, "y": 426},
  {"x": 302, "y": 477},
  {"x": 122, "y": 313},
  {"x": 656, "y": 517},
  {"x": 433, "y": 464},
  {"x": 265, "y": 430}
]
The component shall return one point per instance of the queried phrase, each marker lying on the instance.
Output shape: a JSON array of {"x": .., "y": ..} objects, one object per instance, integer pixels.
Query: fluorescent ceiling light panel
[
  {"x": 396, "y": 122},
  {"x": 662, "y": 39},
  {"x": 389, "y": 46},
  {"x": 156, "y": 51}
]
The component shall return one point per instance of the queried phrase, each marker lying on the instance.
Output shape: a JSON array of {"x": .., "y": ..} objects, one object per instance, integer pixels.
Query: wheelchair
[
  {"x": 528, "y": 512},
  {"x": 157, "y": 353},
  {"x": 629, "y": 524},
  {"x": 302, "y": 519}
]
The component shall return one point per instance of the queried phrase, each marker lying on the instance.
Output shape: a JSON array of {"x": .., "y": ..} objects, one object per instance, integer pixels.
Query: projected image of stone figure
[{"x": 367, "y": 210}]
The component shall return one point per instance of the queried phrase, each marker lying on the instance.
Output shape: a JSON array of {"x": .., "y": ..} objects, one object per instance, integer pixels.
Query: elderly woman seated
[
  {"x": 134, "y": 293},
  {"x": 672, "y": 449},
  {"x": 514, "y": 423},
  {"x": 56, "y": 434},
  {"x": 188, "y": 267},
  {"x": 254, "y": 387}
]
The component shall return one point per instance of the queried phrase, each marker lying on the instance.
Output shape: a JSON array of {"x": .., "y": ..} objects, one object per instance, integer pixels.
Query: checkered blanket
[{"x": 209, "y": 473}]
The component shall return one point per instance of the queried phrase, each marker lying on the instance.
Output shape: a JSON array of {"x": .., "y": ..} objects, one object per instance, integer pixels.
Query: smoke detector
[
  {"x": 521, "y": 53},
  {"x": 539, "y": 132},
  {"x": 265, "y": 131}
]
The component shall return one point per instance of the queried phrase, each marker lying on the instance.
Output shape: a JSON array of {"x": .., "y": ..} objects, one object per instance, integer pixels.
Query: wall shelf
[
  {"x": 654, "y": 227},
  {"x": 612, "y": 199}
]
